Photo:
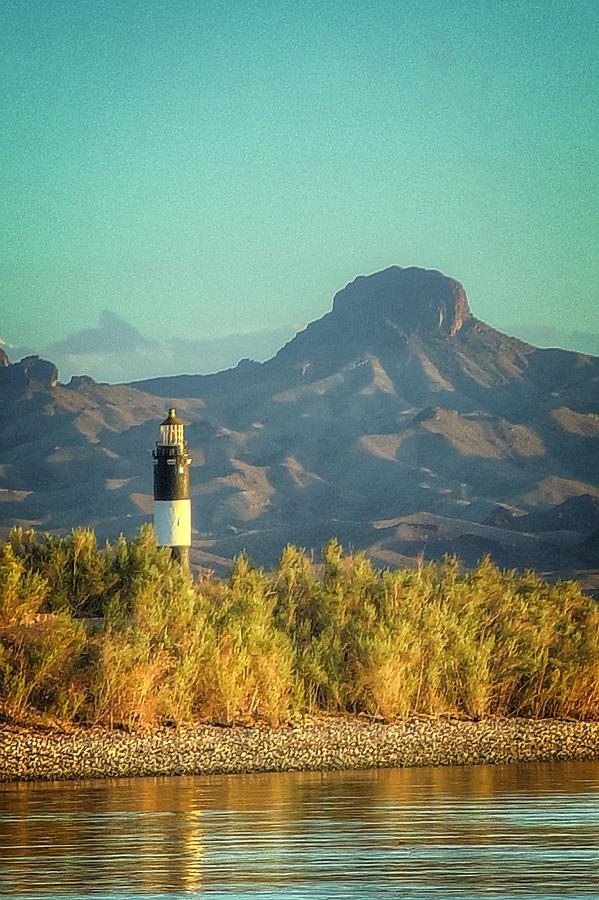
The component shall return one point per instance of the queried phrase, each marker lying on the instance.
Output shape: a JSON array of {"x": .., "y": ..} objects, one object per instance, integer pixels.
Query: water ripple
[{"x": 493, "y": 832}]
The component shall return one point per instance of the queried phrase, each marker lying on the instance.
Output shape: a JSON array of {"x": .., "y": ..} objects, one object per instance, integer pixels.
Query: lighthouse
[{"x": 172, "y": 505}]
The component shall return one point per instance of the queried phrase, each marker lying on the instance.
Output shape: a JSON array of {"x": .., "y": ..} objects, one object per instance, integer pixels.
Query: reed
[{"x": 121, "y": 635}]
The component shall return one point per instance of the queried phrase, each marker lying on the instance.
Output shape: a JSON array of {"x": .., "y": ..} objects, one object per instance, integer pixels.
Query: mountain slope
[{"x": 400, "y": 400}]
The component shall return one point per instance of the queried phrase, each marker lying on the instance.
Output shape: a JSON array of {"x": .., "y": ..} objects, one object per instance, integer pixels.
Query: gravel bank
[{"x": 331, "y": 744}]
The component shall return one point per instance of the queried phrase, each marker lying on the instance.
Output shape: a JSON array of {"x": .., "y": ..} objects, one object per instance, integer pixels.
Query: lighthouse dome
[{"x": 172, "y": 419}]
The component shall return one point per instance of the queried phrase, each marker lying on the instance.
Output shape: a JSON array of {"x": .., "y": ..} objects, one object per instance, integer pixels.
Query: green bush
[
  {"x": 22, "y": 590},
  {"x": 77, "y": 571},
  {"x": 122, "y": 635}
]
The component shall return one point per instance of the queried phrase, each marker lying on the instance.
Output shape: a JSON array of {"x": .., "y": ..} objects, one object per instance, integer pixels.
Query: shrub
[{"x": 340, "y": 637}]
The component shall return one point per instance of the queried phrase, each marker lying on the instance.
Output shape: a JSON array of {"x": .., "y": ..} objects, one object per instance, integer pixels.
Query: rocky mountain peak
[
  {"x": 31, "y": 371},
  {"x": 411, "y": 300}
]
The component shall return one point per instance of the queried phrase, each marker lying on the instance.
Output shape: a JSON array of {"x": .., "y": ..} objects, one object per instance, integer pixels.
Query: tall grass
[{"x": 120, "y": 635}]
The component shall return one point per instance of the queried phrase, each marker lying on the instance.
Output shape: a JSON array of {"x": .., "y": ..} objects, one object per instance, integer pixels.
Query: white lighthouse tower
[{"x": 172, "y": 504}]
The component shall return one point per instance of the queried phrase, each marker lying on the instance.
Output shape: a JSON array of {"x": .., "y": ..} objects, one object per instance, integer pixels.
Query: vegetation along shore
[{"x": 126, "y": 665}]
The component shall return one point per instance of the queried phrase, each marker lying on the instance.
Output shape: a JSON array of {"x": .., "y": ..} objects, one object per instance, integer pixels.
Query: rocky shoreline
[{"x": 32, "y": 755}]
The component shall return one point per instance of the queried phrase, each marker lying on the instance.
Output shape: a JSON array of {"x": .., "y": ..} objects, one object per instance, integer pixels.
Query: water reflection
[{"x": 444, "y": 832}]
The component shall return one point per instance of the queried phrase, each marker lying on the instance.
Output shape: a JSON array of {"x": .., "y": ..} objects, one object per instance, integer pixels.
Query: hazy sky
[{"x": 206, "y": 167}]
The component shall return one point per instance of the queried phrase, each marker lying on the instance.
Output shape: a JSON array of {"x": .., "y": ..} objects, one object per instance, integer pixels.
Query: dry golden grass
[{"x": 261, "y": 646}]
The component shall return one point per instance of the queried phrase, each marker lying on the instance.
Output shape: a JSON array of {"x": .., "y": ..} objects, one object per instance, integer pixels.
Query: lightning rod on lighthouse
[{"x": 172, "y": 505}]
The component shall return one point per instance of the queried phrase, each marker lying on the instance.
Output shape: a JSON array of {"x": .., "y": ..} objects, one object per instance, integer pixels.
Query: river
[{"x": 529, "y": 830}]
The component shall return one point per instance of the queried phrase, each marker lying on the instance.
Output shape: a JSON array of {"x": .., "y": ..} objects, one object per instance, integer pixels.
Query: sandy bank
[{"x": 331, "y": 744}]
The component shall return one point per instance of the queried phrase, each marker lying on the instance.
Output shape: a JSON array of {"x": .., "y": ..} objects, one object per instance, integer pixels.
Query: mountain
[
  {"x": 398, "y": 422},
  {"x": 116, "y": 351}
]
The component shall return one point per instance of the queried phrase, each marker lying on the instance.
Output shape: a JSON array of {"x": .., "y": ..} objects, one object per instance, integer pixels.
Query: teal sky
[{"x": 202, "y": 168}]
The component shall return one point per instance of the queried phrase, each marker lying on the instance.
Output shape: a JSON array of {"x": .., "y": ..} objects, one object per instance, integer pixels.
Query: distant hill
[
  {"x": 115, "y": 351},
  {"x": 398, "y": 422}
]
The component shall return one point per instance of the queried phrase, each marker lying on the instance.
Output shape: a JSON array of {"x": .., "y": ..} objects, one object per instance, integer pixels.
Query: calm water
[{"x": 487, "y": 831}]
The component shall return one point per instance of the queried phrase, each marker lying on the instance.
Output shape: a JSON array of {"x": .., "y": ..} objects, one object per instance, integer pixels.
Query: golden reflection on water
[{"x": 373, "y": 831}]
